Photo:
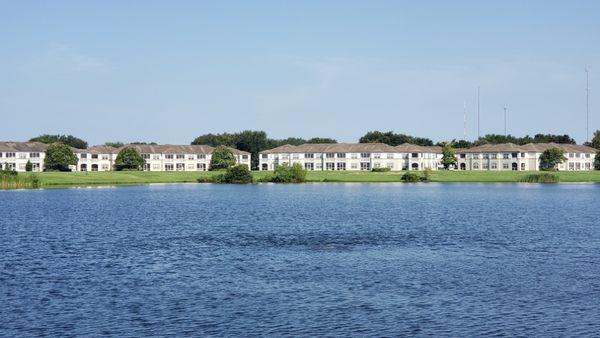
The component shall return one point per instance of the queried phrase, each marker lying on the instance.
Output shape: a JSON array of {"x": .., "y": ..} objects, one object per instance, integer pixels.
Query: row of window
[
  {"x": 352, "y": 155},
  {"x": 178, "y": 166},
  {"x": 506, "y": 156},
  {"x": 93, "y": 156},
  {"x": 21, "y": 155},
  {"x": 21, "y": 166}
]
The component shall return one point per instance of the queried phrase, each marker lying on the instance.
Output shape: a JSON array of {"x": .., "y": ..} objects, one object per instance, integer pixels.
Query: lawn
[{"x": 57, "y": 179}]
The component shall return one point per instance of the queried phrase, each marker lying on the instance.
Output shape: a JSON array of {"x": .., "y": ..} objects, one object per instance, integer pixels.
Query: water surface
[{"x": 301, "y": 260}]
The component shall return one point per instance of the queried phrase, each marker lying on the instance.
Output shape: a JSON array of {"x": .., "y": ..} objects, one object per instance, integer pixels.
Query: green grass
[{"x": 61, "y": 179}]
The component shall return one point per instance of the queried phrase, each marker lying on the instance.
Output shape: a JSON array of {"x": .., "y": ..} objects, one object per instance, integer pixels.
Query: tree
[
  {"x": 114, "y": 144},
  {"x": 286, "y": 174},
  {"x": 597, "y": 161},
  {"x": 222, "y": 158},
  {"x": 393, "y": 139},
  {"x": 238, "y": 174},
  {"x": 321, "y": 140},
  {"x": 65, "y": 139},
  {"x": 448, "y": 156},
  {"x": 129, "y": 159},
  {"x": 28, "y": 166},
  {"x": 596, "y": 140},
  {"x": 59, "y": 156},
  {"x": 550, "y": 158}
]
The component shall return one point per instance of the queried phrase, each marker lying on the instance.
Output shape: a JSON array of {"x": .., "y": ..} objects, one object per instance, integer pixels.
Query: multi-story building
[
  {"x": 98, "y": 158},
  {"x": 509, "y": 156},
  {"x": 182, "y": 157},
  {"x": 15, "y": 155},
  {"x": 351, "y": 156}
]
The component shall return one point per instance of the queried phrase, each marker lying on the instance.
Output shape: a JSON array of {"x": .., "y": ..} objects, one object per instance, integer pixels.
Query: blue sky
[{"x": 169, "y": 71}]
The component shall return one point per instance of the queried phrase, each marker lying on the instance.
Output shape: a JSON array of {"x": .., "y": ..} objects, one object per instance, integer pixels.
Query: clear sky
[{"x": 167, "y": 71}]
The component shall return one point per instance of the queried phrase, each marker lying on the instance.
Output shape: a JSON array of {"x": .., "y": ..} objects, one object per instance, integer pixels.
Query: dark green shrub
[
  {"x": 287, "y": 174},
  {"x": 129, "y": 159},
  {"x": 28, "y": 166},
  {"x": 239, "y": 174},
  {"x": 381, "y": 170},
  {"x": 410, "y": 177},
  {"x": 540, "y": 178}
]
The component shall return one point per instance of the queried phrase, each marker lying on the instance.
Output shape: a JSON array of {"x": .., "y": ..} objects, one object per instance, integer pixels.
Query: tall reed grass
[{"x": 12, "y": 180}]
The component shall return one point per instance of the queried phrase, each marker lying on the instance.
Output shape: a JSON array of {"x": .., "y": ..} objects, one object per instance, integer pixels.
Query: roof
[
  {"x": 530, "y": 147},
  {"x": 98, "y": 150},
  {"x": 332, "y": 148},
  {"x": 23, "y": 147},
  {"x": 414, "y": 148},
  {"x": 178, "y": 149}
]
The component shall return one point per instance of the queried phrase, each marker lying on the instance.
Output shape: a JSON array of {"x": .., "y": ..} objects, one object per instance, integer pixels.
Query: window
[
  {"x": 22, "y": 155},
  {"x": 169, "y": 166},
  {"x": 578, "y": 166},
  {"x": 146, "y": 156},
  {"x": 94, "y": 156},
  {"x": 376, "y": 155},
  {"x": 10, "y": 155},
  {"x": 463, "y": 155},
  {"x": 329, "y": 166},
  {"x": 169, "y": 157},
  {"x": 587, "y": 166},
  {"x": 191, "y": 157},
  {"x": 390, "y": 156},
  {"x": 244, "y": 157},
  {"x": 571, "y": 155},
  {"x": 504, "y": 165},
  {"x": 309, "y": 155},
  {"x": 390, "y": 165},
  {"x": 180, "y": 156},
  {"x": 105, "y": 167},
  {"x": 505, "y": 156},
  {"x": 309, "y": 166},
  {"x": 475, "y": 156},
  {"x": 571, "y": 166},
  {"x": 264, "y": 156},
  {"x": 514, "y": 155},
  {"x": 494, "y": 165},
  {"x": 105, "y": 156},
  {"x": 37, "y": 155},
  {"x": 523, "y": 155},
  {"x": 354, "y": 155},
  {"x": 329, "y": 155},
  {"x": 587, "y": 155},
  {"x": 80, "y": 156},
  {"x": 354, "y": 166},
  {"x": 295, "y": 156},
  {"x": 341, "y": 166},
  {"x": 201, "y": 166},
  {"x": 486, "y": 156},
  {"x": 365, "y": 166},
  {"x": 318, "y": 166},
  {"x": 180, "y": 166},
  {"x": 341, "y": 155},
  {"x": 522, "y": 166},
  {"x": 203, "y": 156},
  {"x": 485, "y": 166},
  {"x": 191, "y": 166},
  {"x": 494, "y": 156},
  {"x": 156, "y": 157},
  {"x": 414, "y": 155},
  {"x": 365, "y": 155},
  {"x": 476, "y": 165},
  {"x": 578, "y": 155},
  {"x": 156, "y": 166}
]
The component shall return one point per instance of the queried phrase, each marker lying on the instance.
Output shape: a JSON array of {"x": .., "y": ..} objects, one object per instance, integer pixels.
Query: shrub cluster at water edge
[
  {"x": 540, "y": 178},
  {"x": 287, "y": 174},
  {"x": 381, "y": 170},
  {"x": 239, "y": 174},
  {"x": 412, "y": 177}
]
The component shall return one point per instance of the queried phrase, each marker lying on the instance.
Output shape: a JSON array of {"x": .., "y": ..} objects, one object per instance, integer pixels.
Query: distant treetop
[{"x": 65, "y": 139}]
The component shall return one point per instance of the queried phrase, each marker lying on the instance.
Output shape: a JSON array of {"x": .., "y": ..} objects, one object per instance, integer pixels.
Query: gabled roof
[
  {"x": 414, "y": 148},
  {"x": 23, "y": 147},
  {"x": 493, "y": 148},
  {"x": 97, "y": 150},
  {"x": 178, "y": 149},
  {"x": 332, "y": 148}
]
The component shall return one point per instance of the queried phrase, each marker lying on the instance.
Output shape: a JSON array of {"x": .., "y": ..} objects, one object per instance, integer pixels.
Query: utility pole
[
  {"x": 505, "y": 110},
  {"x": 587, "y": 104},
  {"x": 478, "y": 115}
]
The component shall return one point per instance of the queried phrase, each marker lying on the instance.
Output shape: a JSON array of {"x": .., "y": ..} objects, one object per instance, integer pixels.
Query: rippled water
[{"x": 301, "y": 260}]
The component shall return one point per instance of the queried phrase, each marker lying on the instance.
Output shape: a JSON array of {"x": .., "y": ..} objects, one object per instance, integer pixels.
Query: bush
[
  {"x": 28, "y": 166},
  {"x": 381, "y": 170},
  {"x": 410, "y": 177},
  {"x": 286, "y": 174},
  {"x": 239, "y": 174},
  {"x": 540, "y": 178},
  {"x": 129, "y": 159}
]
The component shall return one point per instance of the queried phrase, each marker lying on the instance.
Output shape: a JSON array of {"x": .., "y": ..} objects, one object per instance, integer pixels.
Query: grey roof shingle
[{"x": 23, "y": 147}]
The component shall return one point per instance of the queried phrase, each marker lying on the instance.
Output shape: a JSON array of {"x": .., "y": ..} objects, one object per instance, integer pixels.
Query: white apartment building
[
  {"x": 182, "y": 157},
  {"x": 15, "y": 155},
  {"x": 98, "y": 158},
  {"x": 351, "y": 156},
  {"x": 509, "y": 156}
]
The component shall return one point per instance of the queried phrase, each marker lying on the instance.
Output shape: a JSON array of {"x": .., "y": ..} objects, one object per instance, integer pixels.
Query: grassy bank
[{"x": 60, "y": 179}]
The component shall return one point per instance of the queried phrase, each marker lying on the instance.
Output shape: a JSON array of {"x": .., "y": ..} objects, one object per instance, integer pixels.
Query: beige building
[
  {"x": 509, "y": 156},
  {"x": 351, "y": 156},
  {"x": 98, "y": 158},
  {"x": 15, "y": 155},
  {"x": 182, "y": 157}
]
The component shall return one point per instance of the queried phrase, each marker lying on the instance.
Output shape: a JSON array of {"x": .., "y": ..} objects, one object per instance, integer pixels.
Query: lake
[{"x": 301, "y": 260}]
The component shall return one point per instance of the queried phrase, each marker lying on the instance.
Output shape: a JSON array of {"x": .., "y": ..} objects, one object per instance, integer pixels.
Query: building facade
[
  {"x": 351, "y": 156},
  {"x": 15, "y": 155},
  {"x": 509, "y": 156}
]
